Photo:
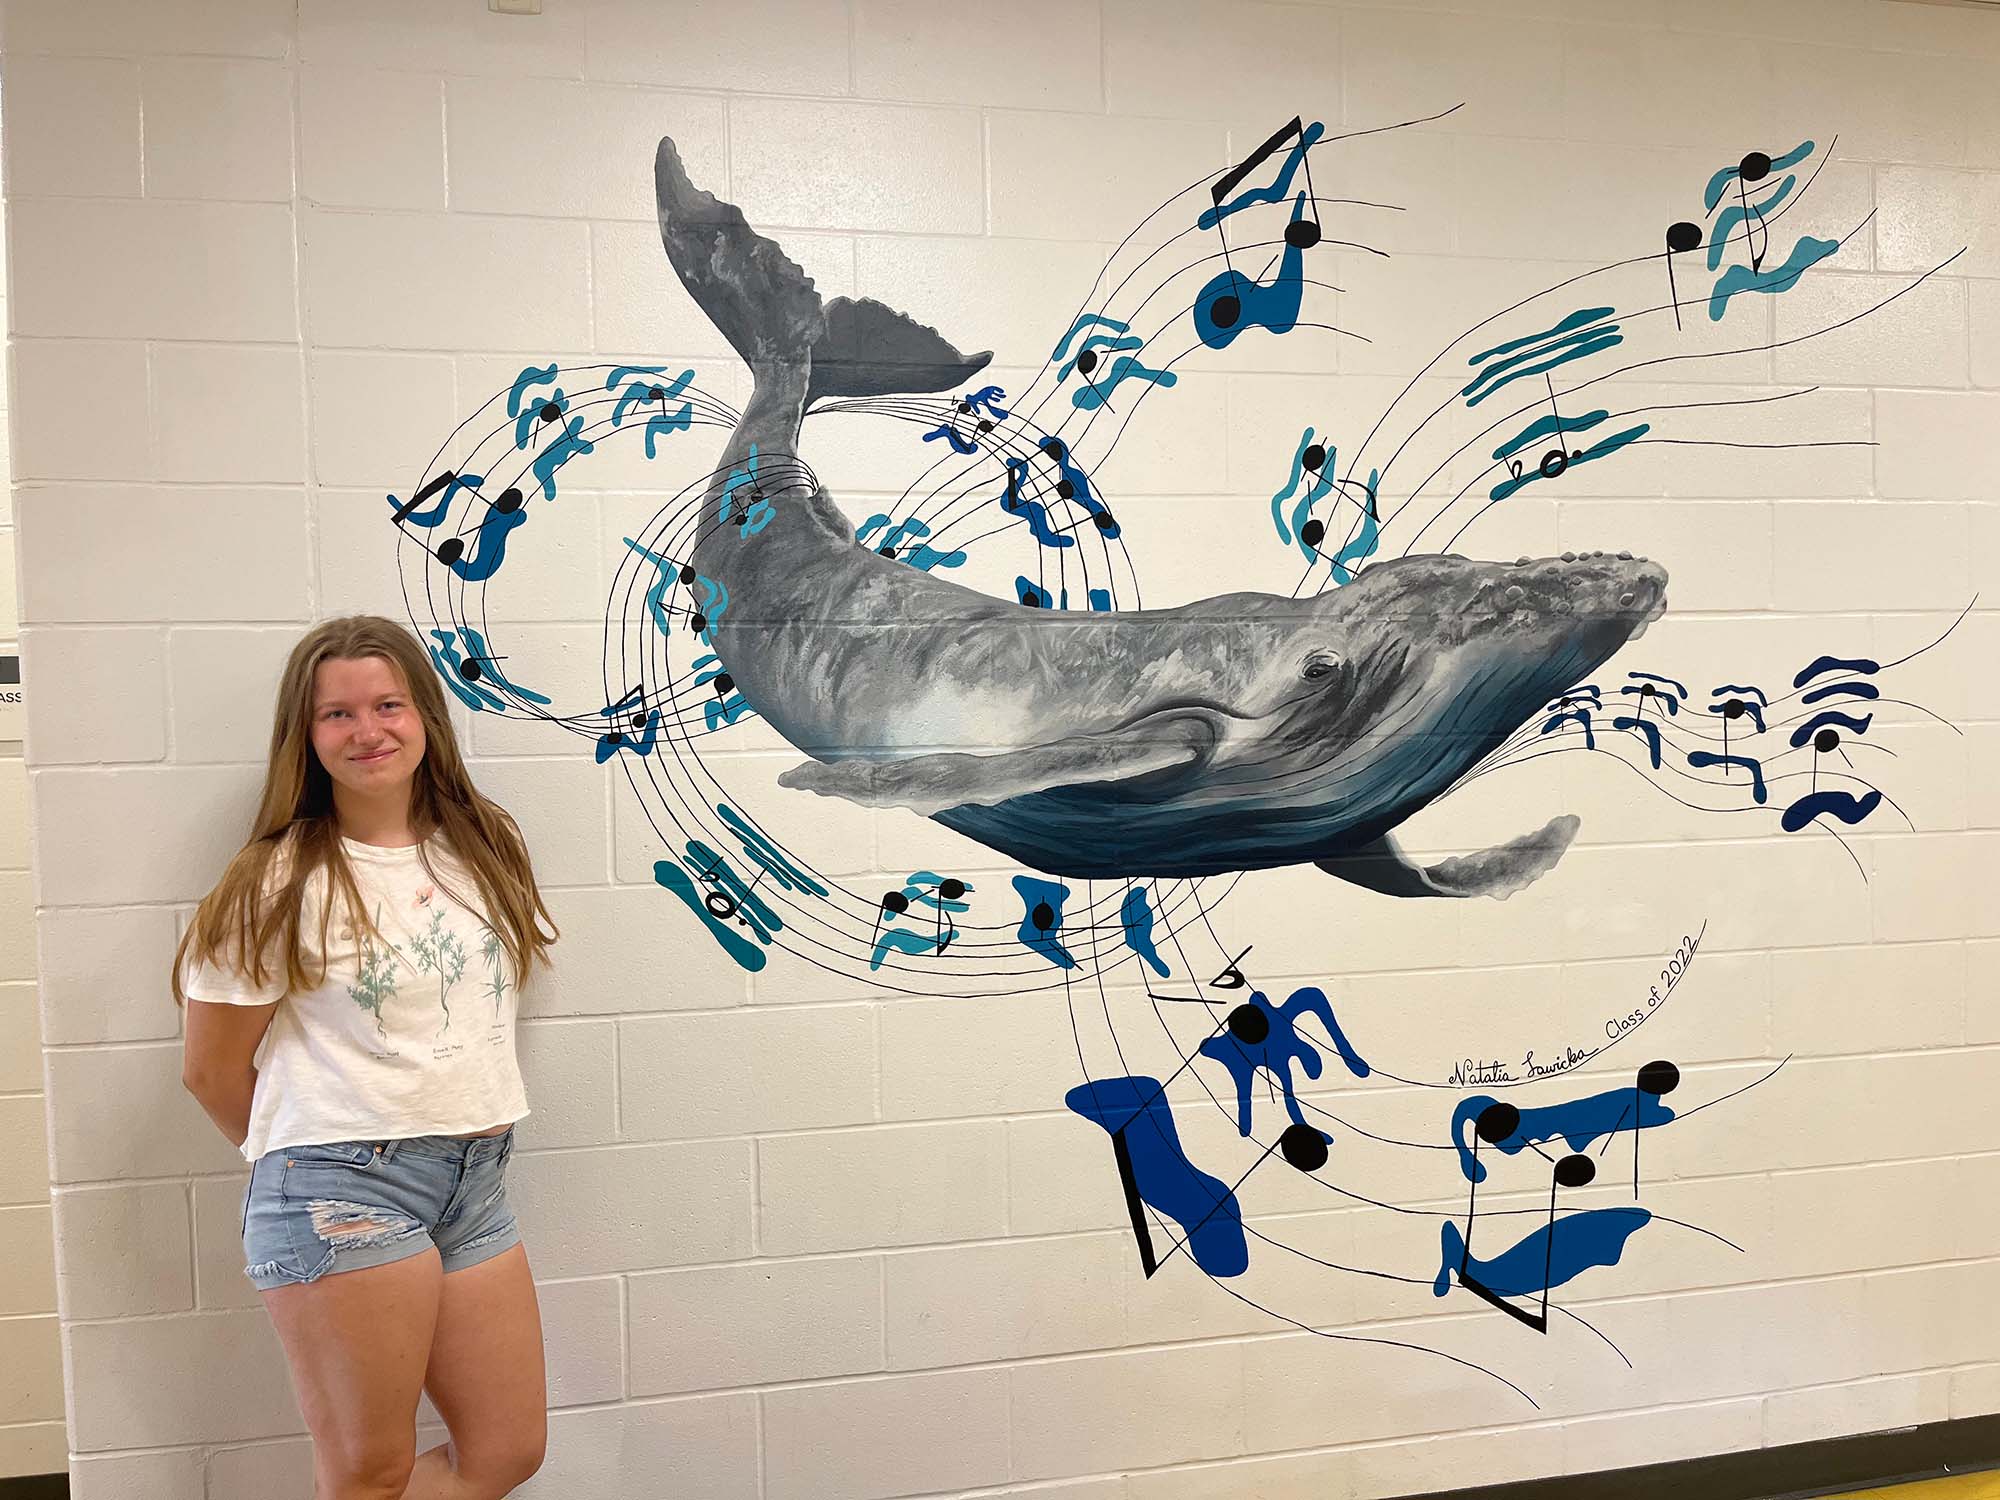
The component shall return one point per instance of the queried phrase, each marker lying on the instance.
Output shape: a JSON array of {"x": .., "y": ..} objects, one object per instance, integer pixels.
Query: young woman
[{"x": 351, "y": 989}]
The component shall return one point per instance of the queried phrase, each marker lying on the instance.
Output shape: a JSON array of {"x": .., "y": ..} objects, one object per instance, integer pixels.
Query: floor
[{"x": 1984, "y": 1486}]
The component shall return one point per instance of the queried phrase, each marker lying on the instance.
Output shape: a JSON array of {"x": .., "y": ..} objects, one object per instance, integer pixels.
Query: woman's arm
[{"x": 216, "y": 1062}]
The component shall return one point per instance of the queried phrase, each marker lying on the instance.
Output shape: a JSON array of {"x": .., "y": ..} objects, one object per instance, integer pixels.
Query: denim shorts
[{"x": 343, "y": 1205}]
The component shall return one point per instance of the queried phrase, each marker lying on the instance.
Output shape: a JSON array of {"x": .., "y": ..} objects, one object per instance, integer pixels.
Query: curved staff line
[
  {"x": 1091, "y": 418},
  {"x": 976, "y": 475},
  {"x": 1634, "y": 315},
  {"x": 1250, "y": 1229},
  {"x": 1089, "y": 302},
  {"x": 1625, "y": 735},
  {"x": 1641, "y": 773},
  {"x": 1606, "y": 375},
  {"x": 1723, "y": 353},
  {"x": 1360, "y": 449},
  {"x": 943, "y": 529}
]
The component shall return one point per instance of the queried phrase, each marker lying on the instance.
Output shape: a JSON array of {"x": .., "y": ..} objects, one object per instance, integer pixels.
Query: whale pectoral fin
[
  {"x": 931, "y": 783},
  {"x": 1499, "y": 871}
]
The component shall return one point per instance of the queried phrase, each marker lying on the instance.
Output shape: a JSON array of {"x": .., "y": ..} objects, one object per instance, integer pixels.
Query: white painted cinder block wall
[{"x": 798, "y": 1243}]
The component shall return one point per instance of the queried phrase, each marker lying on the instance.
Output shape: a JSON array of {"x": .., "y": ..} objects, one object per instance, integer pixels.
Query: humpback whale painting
[
  {"x": 1109, "y": 773},
  {"x": 1236, "y": 733}
]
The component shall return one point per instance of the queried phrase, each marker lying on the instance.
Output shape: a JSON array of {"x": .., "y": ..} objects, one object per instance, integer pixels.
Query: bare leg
[
  {"x": 358, "y": 1343},
  {"x": 487, "y": 1379}
]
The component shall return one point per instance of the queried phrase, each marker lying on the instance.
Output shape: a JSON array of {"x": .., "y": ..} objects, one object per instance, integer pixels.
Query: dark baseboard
[
  {"x": 1826, "y": 1467},
  {"x": 1790, "y": 1473}
]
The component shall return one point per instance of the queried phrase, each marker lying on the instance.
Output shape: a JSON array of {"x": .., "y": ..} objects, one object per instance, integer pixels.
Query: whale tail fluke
[{"x": 767, "y": 307}]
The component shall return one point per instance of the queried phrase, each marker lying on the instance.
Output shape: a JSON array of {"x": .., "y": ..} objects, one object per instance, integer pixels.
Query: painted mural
[{"x": 978, "y": 653}]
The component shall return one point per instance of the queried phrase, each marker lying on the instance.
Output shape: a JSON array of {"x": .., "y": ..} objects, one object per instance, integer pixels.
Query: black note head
[
  {"x": 1496, "y": 1122},
  {"x": 1031, "y": 600},
  {"x": 1103, "y": 521},
  {"x": 1302, "y": 234},
  {"x": 1733, "y": 709},
  {"x": 965, "y": 407},
  {"x": 1575, "y": 1171},
  {"x": 724, "y": 685},
  {"x": 1314, "y": 456},
  {"x": 450, "y": 550},
  {"x": 1683, "y": 236},
  {"x": 1224, "y": 311},
  {"x": 687, "y": 573},
  {"x": 886, "y": 551},
  {"x": 697, "y": 623},
  {"x": 1065, "y": 489},
  {"x": 895, "y": 901},
  {"x": 984, "y": 425},
  {"x": 549, "y": 412},
  {"x": 509, "y": 501},
  {"x": 657, "y": 393},
  {"x": 1043, "y": 916},
  {"x": 1313, "y": 533},
  {"x": 1825, "y": 740},
  {"x": 1658, "y": 1078},
  {"x": 1647, "y": 690},
  {"x": 469, "y": 670},
  {"x": 1087, "y": 361},
  {"x": 1303, "y": 1147},
  {"x": 951, "y": 889},
  {"x": 1754, "y": 167},
  {"x": 1249, "y": 1024},
  {"x": 1054, "y": 448}
]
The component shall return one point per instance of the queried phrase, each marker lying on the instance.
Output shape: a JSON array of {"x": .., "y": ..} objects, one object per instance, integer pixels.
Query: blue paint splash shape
[
  {"x": 1574, "y": 346},
  {"x": 1842, "y": 805},
  {"x": 1578, "y": 319},
  {"x": 1604, "y": 449},
  {"x": 1365, "y": 541},
  {"x": 1821, "y": 664},
  {"x": 1281, "y": 1044},
  {"x": 1272, "y": 192},
  {"x": 1718, "y": 184},
  {"x": 923, "y": 557},
  {"x": 1701, "y": 760},
  {"x": 1550, "y": 1256},
  {"x": 1317, "y": 489},
  {"x": 670, "y": 876},
  {"x": 1772, "y": 280},
  {"x": 1581, "y": 716},
  {"x": 1041, "y": 918},
  {"x": 1645, "y": 728},
  {"x": 1730, "y": 217},
  {"x": 1206, "y": 1210},
  {"x": 1828, "y": 718},
  {"x": 613, "y": 741},
  {"x": 922, "y": 888},
  {"x": 1577, "y": 1121},
  {"x": 1273, "y": 305},
  {"x": 1135, "y": 920}
]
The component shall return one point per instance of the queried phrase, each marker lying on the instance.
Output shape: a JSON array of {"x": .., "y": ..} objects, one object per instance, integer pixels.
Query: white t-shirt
[{"x": 410, "y": 1034}]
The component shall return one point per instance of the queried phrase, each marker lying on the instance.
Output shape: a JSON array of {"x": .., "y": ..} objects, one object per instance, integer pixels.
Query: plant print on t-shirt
[
  {"x": 496, "y": 970},
  {"x": 376, "y": 981},
  {"x": 438, "y": 951}
]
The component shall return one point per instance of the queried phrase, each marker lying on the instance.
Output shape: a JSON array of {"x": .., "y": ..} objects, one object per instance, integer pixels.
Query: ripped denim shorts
[{"x": 343, "y": 1205}]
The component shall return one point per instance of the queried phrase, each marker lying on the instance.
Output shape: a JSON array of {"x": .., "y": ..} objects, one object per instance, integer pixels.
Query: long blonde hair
[{"x": 256, "y": 908}]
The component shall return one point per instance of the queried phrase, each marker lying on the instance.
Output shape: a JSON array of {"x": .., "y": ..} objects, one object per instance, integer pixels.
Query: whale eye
[{"x": 1319, "y": 666}]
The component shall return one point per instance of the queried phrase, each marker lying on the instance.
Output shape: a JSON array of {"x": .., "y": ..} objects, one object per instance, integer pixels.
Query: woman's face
[{"x": 365, "y": 730}]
